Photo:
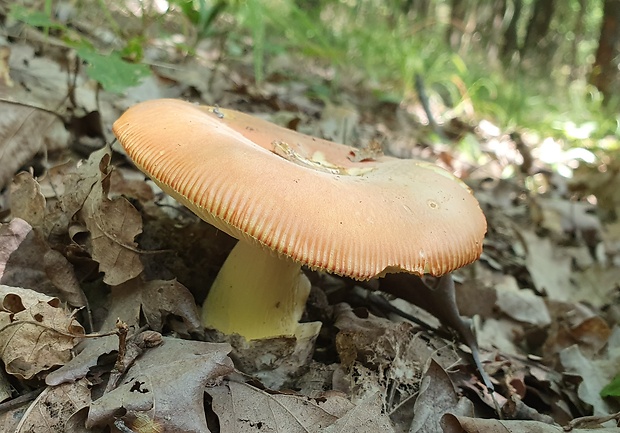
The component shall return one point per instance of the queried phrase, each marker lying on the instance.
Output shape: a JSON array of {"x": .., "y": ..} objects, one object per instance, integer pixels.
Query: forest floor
[{"x": 93, "y": 258}]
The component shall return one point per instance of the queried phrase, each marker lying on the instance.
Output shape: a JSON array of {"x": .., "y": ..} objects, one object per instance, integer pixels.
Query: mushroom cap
[{"x": 304, "y": 197}]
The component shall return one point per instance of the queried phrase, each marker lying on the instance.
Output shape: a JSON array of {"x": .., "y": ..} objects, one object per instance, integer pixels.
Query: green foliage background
[{"x": 377, "y": 44}]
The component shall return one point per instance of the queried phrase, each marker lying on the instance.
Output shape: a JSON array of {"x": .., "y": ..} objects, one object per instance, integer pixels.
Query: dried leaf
[
  {"x": 384, "y": 357},
  {"x": 155, "y": 300},
  {"x": 78, "y": 367},
  {"x": 113, "y": 225},
  {"x": 463, "y": 424},
  {"x": 561, "y": 216},
  {"x": 27, "y": 201},
  {"x": 440, "y": 301},
  {"x": 65, "y": 188},
  {"x": 241, "y": 408},
  {"x": 365, "y": 417},
  {"x": 6, "y": 389},
  {"x": 26, "y": 260},
  {"x": 436, "y": 397},
  {"x": 596, "y": 373},
  {"x": 165, "y": 387},
  {"x": 33, "y": 332},
  {"x": 549, "y": 267},
  {"x": 54, "y": 406},
  {"x": 524, "y": 306},
  {"x": 24, "y": 132}
]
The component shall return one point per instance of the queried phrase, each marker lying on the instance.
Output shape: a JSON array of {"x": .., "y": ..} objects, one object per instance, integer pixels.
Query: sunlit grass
[
  {"x": 371, "y": 45},
  {"x": 389, "y": 48}
]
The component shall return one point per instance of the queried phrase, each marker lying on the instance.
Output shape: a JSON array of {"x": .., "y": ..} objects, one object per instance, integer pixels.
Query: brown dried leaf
[
  {"x": 549, "y": 267},
  {"x": 437, "y": 396},
  {"x": 78, "y": 367},
  {"x": 66, "y": 187},
  {"x": 523, "y": 305},
  {"x": 463, "y": 424},
  {"x": 27, "y": 201},
  {"x": 242, "y": 408},
  {"x": 155, "y": 300},
  {"x": 576, "y": 324},
  {"x": 24, "y": 132},
  {"x": 165, "y": 387},
  {"x": 54, "y": 406},
  {"x": 6, "y": 389},
  {"x": 379, "y": 355},
  {"x": 26, "y": 260},
  {"x": 596, "y": 373},
  {"x": 33, "y": 330},
  {"x": 113, "y": 225},
  {"x": 365, "y": 417}
]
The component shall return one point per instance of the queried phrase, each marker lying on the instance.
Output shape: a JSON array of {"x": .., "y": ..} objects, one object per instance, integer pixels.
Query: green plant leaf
[
  {"x": 111, "y": 71},
  {"x": 612, "y": 389},
  {"x": 201, "y": 13},
  {"x": 33, "y": 17}
]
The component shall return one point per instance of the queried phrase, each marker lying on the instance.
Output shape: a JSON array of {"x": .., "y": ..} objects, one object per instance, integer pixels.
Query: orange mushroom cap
[{"x": 304, "y": 197}]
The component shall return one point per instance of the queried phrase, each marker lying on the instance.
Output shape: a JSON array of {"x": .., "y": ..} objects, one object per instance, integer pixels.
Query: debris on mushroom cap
[{"x": 304, "y": 197}]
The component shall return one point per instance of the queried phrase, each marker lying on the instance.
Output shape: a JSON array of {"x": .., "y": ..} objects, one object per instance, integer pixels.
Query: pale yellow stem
[{"x": 257, "y": 295}]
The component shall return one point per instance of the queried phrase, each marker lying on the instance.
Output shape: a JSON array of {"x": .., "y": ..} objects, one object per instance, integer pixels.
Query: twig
[
  {"x": 18, "y": 401},
  {"x": 591, "y": 420},
  {"x": 122, "y": 330},
  {"x": 120, "y": 425},
  {"x": 66, "y": 334},
  {"x": 130, "y": 348},
  {"x": 45, "y": 110}
]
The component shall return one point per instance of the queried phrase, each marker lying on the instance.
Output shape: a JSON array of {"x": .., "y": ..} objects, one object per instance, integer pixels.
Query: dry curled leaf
[
  {"x": 437, "y": 396},
  {"x": 165, "y": 386},
  {"x": 242, "y": 408},
  {"x": 463, "y": 424},
  {"x": 36, "y": 332},
  {"x": 113, "y": 225},
  {"x": 54, "y": 406},
  {"x": 27, "y": 201},
  {"x": 26, "y": 260},
  {"x": 24, "y": 132},
  {"x": 155, "y": 301}
]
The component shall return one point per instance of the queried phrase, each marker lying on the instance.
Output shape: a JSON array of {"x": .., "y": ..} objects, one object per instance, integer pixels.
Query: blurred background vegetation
[{"x": 547, "y": 65}]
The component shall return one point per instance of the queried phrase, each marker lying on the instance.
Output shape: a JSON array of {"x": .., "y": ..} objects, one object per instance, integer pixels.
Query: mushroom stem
[{"x": 256, "y": 294}]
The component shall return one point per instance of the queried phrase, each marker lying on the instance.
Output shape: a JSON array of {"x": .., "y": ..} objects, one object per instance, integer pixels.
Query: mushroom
[{"x": 295, "y": 200}]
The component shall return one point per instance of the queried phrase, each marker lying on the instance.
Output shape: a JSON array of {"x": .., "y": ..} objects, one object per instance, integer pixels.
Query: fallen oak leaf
[
  {"x": 26, "y": 260},
  {"x": 244, "y": 408},
  {"x": 365, "y": 417},
  {"x": 27, "y": 201},
  {"x": 437, "y": 396},
  {"x": 165, "y": 387},
  {"x": 113, "y": 226},
  {"x": 36, "y": 333},
  {"x": 462, "y": 424},
  {"x": 440, "y": 301},
  {"x": 154, "y": 300},
  {"x": 65, "y": 188},
  {"x": 51, "y": 410}
]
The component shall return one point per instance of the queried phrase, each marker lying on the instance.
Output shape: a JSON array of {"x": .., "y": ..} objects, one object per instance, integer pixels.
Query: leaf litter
[{"x": 101, "y": 277}]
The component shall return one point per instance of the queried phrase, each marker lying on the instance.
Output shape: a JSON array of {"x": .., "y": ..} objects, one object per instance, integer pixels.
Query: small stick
[{"x": 591, "y": 420}]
